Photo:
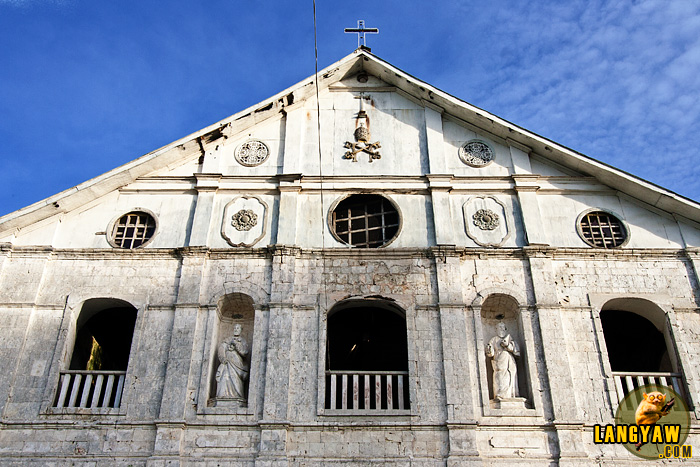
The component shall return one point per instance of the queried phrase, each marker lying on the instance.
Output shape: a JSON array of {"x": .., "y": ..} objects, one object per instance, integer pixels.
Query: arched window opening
[
  {"x": 95, "y": 378},
  {"x": 639, "y": 345},
  {"x": 367, "y": 359}
]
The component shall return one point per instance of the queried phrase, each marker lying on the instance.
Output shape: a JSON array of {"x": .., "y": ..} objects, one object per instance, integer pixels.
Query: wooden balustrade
[
  {"x": 367, "y": 391},
  {"x": 626, "y": 382},
  {"x": 90, "y": 389}
]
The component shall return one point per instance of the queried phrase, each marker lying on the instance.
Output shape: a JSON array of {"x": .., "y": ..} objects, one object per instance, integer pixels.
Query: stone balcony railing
[
  {"x": 90, "y": 389},
  {"x": 367, "y": 392},
  {"x": 626, "y": 382}
]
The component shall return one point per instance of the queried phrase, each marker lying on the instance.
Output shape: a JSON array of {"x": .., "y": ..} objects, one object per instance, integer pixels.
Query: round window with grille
[
  {"x": 601, "y": 229},
  {"x": 365, "y": 221},
  {"x": 132, "y": 230}
]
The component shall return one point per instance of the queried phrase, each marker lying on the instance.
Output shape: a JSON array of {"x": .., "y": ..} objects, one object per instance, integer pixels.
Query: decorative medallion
[
  {"x": 245, "y": 219},
  {"x": 252, "y": 153},
  {"x": 476, "y": 153},
  {"x": 486, "y": 219}
]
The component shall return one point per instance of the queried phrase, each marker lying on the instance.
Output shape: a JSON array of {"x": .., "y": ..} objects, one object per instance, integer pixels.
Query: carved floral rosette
[
  {"x": 486, "y": 221},
  {"x": 244, "y": 221}
]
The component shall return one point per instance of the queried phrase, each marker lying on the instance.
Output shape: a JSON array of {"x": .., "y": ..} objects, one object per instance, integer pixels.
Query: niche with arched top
[
  {"x": 497, "y": 309},
  {"x": 230, "y": 361}
]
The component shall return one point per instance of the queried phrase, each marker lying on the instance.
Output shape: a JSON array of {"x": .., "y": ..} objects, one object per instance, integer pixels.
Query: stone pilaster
[
  {"x": 526, "y": 186},
  {"x": 289, "y": 187},
  {"x": 5, "y": 249},
  {"x": 681, "y": 336},
  {"x": 278, "y": 366},
  {"x": 207, "y": 184},
  {"x": 295, "y": 122},
  {"x": 434, "y": 138},
  {"x": 303, "y": 374},
  {"x": 181, "y": 377},
  {"x": 460, "y": 380},
  {"x": 553, "y": 343},
  {"x": 440, "y": 186}
]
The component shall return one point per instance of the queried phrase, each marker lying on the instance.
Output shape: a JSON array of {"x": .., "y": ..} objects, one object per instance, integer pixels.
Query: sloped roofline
[{"x": 360, "y": 59}]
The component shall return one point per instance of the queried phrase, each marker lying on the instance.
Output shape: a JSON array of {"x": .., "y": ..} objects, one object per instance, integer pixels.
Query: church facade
[{"x": 392, "y": 277}]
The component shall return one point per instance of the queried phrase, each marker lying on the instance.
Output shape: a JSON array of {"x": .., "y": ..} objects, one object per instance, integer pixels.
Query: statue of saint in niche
[
  {"x": 502, "y": 350},
  {"x": 233, "y": 369}
]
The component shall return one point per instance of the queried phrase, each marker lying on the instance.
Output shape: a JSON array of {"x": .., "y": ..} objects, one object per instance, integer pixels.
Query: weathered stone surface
[{"x": 285, "y": 276}]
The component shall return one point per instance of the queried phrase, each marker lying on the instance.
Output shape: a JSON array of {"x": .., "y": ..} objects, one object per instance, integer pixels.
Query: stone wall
[{"x": 166, "y": 417}]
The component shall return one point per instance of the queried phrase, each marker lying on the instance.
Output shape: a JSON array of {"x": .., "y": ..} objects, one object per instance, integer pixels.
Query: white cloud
[{"x": 615, "y": 80}]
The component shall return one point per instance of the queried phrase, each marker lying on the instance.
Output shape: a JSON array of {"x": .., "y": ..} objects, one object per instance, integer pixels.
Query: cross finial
[{"x": 360, "y": 30}]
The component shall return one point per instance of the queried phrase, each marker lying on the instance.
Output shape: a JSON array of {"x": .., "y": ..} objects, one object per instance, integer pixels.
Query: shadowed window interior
[
  {"x": 103, "y": 341},
  {"x": 367, "y": 360},
  {"x": 633, "y": 343},
  {"x": 365, "y": 221}
]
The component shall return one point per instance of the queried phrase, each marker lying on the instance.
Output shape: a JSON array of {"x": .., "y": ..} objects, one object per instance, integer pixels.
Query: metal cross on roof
[{"x": 360, "y": 30}]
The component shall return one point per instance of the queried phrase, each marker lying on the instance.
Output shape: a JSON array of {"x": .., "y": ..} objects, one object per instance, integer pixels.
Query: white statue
[
  {"x": 233, "y": 369},
  {"x": 502, "y": 350}
]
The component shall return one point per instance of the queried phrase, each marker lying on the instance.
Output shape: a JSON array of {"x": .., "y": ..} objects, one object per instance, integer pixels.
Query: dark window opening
[
  {"x": 633, "y": 342},
  {"x": 367, "y": 339},
  {"x": 367, "y": 360},
  {"x": 103, "y": 341},
  {"x": 365, "y": 221}
]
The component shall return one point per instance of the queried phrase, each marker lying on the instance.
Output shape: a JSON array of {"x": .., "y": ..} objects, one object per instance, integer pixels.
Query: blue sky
[{"x": 86, "y": 86}]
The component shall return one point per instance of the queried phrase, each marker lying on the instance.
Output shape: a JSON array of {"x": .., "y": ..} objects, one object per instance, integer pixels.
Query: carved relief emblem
[
  {"x": 362, "y": 144},
  {"x": 476, "y": 153},
  {"x": 252, "y": 153},
  {"x": 486, "y": 219},
  {"x": 362, "y": 137},
  {"x": 245, "y": 219}
]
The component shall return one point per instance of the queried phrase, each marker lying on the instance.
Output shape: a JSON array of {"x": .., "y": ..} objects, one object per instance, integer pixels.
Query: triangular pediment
[{"x": 396, "y": 95}]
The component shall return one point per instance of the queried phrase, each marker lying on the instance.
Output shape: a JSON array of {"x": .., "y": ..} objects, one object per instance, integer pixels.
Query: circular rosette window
[
  {"x": 365, "y": 221},
  {"x": 476, "y": 153},
  {"x": 252, "y": 153}
]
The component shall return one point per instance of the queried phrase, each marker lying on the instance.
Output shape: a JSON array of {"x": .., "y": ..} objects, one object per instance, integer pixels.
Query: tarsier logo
[{"x": 651, "y": 422}]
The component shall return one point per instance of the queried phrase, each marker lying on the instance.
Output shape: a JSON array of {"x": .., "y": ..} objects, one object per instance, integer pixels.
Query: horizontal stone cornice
[{"x": 584, "y": 253}]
